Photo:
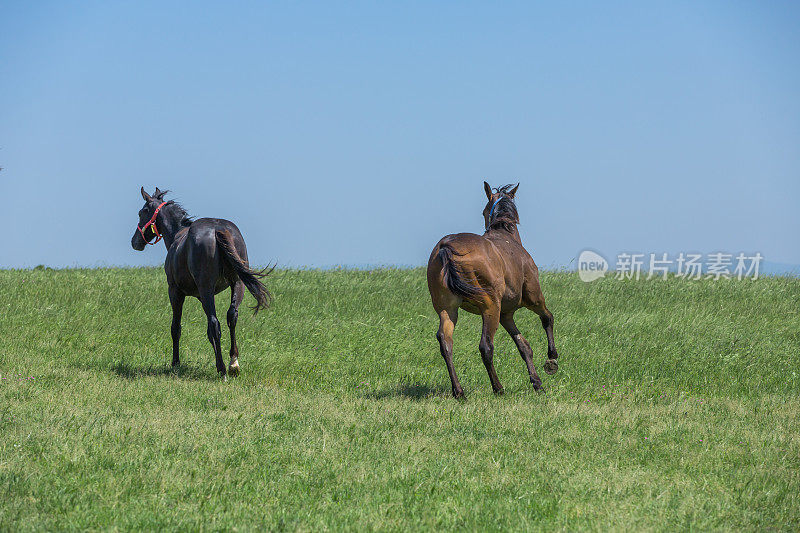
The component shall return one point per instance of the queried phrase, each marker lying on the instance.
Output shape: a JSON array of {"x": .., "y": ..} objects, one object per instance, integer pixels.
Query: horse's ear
[
  {"x": 488, "y": 190},
  {"x": 146, "y": 196},
  {"x": 160, "y": 194},
  {"x": 513, "y": 191}
]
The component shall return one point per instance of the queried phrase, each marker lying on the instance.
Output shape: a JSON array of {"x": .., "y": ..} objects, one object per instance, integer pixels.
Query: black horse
[{"x": 204, "y": 257}]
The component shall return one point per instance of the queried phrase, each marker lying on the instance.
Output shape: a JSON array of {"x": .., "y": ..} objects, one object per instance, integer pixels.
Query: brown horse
[
  {"x": 204, "y": 257},
  {"x": 491, "y": 275}
]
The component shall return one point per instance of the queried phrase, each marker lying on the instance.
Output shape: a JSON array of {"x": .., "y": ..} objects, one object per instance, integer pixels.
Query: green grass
[{"x": 676, "y": 406}]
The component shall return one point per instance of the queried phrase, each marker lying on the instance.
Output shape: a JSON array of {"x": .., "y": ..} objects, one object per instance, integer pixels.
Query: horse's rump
[
  {"x": 251, "y": 278},
  {"x": 455, "y": 271}
]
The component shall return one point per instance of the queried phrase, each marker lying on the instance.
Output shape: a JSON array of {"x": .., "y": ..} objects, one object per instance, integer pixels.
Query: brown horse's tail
[
  {"x": 452, "y": 275},
  {"x": 250, "y": 278}
]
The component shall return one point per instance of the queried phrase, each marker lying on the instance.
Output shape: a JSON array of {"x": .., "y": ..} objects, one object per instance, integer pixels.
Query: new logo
[{"x": 591, "y": 266}]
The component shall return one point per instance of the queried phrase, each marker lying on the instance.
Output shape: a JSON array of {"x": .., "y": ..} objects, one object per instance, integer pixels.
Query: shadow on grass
[
  {"x": 127, "y": 371},
  {"x": 409, "y": 391}
]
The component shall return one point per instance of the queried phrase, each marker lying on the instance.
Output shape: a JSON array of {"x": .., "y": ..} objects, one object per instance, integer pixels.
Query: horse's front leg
[
  {"x": 534, "y": 300},
  {"x": 507, "y": 321},
  {"x": 176, "y": 299}
]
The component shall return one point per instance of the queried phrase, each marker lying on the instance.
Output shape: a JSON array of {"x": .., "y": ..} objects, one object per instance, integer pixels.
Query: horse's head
[
  {"x": 500, "y": 204},
  {"x": 147, "y": 229}
]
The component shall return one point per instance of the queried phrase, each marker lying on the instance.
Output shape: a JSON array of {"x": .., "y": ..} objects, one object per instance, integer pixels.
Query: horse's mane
[
  {"x": 505, "y": 212},
  {"x": 181, "y": 214},
  {"x": 177, "y": 212}
]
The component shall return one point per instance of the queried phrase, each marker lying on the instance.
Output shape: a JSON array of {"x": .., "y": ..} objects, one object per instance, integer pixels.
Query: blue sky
[{"x": 360, "y": 133}]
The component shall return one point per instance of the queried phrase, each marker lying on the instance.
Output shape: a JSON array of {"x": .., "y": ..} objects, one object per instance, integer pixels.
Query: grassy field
[{"x": 676, "y": 406}]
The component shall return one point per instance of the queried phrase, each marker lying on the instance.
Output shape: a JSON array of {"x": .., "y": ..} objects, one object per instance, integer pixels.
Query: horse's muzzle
[{"x": 137, "y": 242}]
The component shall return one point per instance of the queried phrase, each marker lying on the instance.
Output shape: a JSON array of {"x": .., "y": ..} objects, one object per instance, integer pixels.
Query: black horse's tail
[
  {"x": 452, "y": 275},
  {"x": 250, "y": 278}
]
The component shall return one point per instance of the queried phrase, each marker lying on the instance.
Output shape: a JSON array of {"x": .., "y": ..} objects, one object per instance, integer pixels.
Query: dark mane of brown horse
[{"x": 505, "y": 214}]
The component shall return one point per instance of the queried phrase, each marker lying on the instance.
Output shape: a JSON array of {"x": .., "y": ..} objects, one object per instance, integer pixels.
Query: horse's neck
[
  {"x": 170, "y": 226},
  {"x": 500, "y": 230}
]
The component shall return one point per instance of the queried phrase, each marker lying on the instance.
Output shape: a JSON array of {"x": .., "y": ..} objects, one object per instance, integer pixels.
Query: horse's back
[
  {"x": 499, "y": 263},
  {"x": 471, "y": 252},
  {"x": 465, "y": 246},
  {"x": 206, "y": 228}
]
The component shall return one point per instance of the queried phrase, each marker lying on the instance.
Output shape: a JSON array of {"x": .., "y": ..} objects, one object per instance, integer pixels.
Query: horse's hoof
[
  {"x": 499, "y": 392},
  {"x": 459, "y": 395},
  {"x": 551, "y": 366},
  {"x": 233, "y": 370}
]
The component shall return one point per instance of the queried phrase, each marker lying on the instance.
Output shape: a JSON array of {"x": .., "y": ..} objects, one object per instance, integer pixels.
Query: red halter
[{"x": 152, "y": 223}]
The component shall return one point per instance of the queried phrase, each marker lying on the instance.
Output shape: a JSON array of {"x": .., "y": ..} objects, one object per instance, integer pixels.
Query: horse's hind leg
[
  {"x": 176, "y": 299},
  {"x": 237, "y": 293},
  {"x": 507, "y": 321},
  {"x": 214, "y": 330},
  {"x": 491, "y": 319},
  {"x": 447, "y": 323}
]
